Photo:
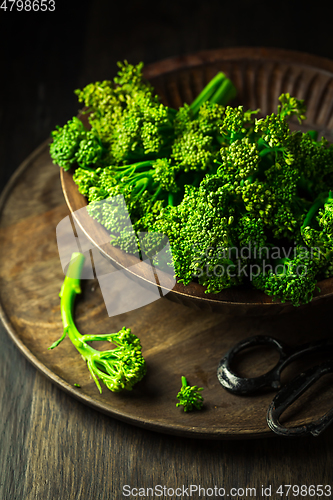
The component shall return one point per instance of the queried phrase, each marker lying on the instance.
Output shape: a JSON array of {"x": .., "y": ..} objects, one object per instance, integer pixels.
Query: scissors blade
[{"x": 289, "y": 394}]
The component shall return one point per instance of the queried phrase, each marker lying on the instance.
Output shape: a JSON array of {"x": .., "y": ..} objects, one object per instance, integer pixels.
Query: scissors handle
[
  {"x": 292, "y": 391},
  {"x": 270, "y": 380},
  {"x": 240, "y": 385}
]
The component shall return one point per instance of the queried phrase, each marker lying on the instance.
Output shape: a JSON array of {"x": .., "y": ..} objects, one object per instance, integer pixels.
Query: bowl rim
[{"x": 211, "y": 56}]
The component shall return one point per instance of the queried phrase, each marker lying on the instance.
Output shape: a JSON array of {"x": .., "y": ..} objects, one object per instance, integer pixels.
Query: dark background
[{"x": 44, "y": 56}]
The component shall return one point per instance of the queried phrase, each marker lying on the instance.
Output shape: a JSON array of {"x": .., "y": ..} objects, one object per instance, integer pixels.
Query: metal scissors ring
[{"x": 271, "y": 380}]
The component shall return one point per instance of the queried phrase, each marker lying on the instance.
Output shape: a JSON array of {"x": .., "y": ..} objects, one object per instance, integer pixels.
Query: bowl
[{"x": 260, "y": 75}]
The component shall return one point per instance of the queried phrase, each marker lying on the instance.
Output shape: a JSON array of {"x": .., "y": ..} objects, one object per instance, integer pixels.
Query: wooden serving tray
[{"x": 176, "y": 340}]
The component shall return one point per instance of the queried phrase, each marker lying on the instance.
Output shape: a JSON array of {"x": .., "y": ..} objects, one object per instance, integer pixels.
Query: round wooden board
[{"x": 176, "y": 340}]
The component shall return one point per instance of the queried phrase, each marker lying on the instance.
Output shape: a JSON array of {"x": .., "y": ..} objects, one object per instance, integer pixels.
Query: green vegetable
[
  {"x": 256, "y": 201},
  {"x": 190, "y": 397},
  {"x": 294, "y": 279},
  {"x": 317, "y": 233},
  {"x": 74, "y": 144},
  {"x": 230, "y": 189},
  {"x": 119, "y": 368}
]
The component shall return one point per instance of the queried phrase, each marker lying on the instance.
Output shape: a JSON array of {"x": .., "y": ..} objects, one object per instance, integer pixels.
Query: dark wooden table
[{"x": 51, "y": 445}]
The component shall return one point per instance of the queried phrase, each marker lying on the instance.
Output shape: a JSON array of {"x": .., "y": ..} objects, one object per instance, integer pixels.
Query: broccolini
[
  {"x": 119, "y": 368},
  {"x": 216, "y": 179}
]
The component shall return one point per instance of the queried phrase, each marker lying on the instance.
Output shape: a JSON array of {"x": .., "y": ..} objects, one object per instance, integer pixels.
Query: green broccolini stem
[
  {"x": 224, "y": 93},
  {"x": 70, "y": 288},
  {"x": 139, "y": 175},
  {"x": 171, "y": 199},
  {"x": 135, "y": 166},
  {"x": 313, "y": 134},
  {"x": 319, "y": 202},
  {"x": 207, "y": 92},
  {"x": 219, "y": 90}
]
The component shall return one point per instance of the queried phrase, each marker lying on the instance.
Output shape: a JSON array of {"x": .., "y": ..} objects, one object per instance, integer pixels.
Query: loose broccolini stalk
[
  {"x": 190, "y": 397},
  {"x": 120, "y": 368}
]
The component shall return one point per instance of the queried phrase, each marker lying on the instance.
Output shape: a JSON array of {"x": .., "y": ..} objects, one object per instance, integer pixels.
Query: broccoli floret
[
  {"x": 315, "y": 162},
  {"x": 128, "y": 116},
  {"x": 198, "y": 139},
  {"x": 144, "y": 128},
  {"x": 290, "y": 106},
  {"x": 193, "y": 150},
  {"x": 74, "y": 144},
  {"x": 119, "y": 368},
  {"x": 317, "y": 233},
  {"x": 190, "y": 397},
  {"x": 203, "y": 246},
  {"x": 290, "y": 279},
  {"x": 86, "y": 178}
]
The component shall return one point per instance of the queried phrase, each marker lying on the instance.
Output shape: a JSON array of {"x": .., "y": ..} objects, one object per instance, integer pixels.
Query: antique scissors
[{"x": 271, "y": 380}]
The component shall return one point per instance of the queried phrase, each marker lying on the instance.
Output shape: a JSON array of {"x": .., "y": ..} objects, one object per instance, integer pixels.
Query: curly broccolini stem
[
  {"x": 119, "y": 368},
  {"x": 190, "y": 397}
]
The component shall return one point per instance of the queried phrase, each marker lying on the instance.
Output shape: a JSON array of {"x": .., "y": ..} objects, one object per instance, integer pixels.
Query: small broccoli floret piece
[
  {"x": 190, "y": 397},
  {"x": 119, "y": 368},
  {"x": 234, "y": 125},
  {"x": 290, "y": 106}
]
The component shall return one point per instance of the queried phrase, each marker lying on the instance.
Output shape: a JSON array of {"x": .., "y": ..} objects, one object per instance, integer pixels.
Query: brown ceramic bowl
[{"x": 260, "y": 76}]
